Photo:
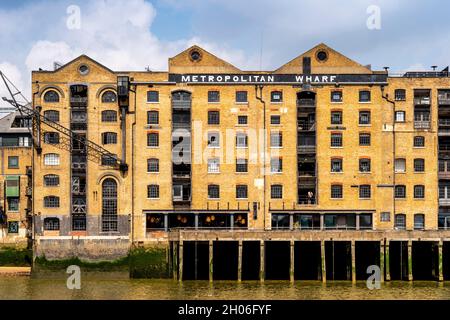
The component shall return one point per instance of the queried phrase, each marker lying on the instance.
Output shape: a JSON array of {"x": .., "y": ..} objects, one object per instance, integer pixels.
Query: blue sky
[{"x": 134, "y": 34}]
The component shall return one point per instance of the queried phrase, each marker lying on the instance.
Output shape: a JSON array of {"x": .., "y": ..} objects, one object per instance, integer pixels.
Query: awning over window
[{"x": 12, "y": 186}]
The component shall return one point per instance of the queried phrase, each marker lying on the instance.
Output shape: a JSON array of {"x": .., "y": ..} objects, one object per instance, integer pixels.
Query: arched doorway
[{"x": 109, "y": 206}]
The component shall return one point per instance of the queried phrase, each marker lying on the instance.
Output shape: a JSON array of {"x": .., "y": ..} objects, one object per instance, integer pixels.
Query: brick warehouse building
[{"x": 322, "y": 143}]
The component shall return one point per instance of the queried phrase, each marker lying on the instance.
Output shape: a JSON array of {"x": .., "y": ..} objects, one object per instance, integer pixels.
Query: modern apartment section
[{"x": 16, "y": 177}]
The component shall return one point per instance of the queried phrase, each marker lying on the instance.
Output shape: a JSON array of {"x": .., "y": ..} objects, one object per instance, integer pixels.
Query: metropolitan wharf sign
[{"x": 278, "y": 78}]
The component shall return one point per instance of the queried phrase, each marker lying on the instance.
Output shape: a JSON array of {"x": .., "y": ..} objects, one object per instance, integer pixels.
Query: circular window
[
  {"x": 84, "y": 69},
  {"x": 196, "y": 56},
  {"x": 322, "y": 55}
]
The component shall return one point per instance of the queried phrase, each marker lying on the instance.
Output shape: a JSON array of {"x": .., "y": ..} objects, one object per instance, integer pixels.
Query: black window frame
[
  {"x": 365, "y": 139},
  {"x": 273, "y": 94},
  {"x": 276, "y": 191},
  {"x": 242, "y": 192},
  {"x": 213, "y": 117},
  {"x": 241, "y": 96},
  {"x": 213, "y": 192},
  {"x": 214, "y": 96},
  {"x": 361, "y": 96},
  {"x": 152, "y": 96},
  {"x": 153, "y": 191},
  {"x": 152, "y": 118},
  {"x": 109, "y": 116},
  {"x": 153, "y": 143},
  {"x": 336, "y": 117},
  {"x": 153, "y": 165}
]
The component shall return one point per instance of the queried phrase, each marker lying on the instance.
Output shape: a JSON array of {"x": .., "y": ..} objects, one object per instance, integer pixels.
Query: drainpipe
[
  {"x": 33, "y": 190},
  {"x": 260, "y": 98},
  {"x": 386, "y": 97},
  {"x": 133, "y": 133}
]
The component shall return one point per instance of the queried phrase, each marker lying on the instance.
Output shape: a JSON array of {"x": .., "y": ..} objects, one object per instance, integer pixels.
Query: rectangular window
[
  {"x": 153, "y": 165},
  {"x": 336, "y": 165},
  {"x": 364, "y": 118},
  {"x": 419, "y": 165},
  {"x": 241, "y": 140},
  {"x": 364, "y": 165},
  {"x": 213, "y": 117},
  {"x": 276, "y": 165},
  {"x": 242, "y": 192},
  {"x": 153, "y": 96},
  {"x": 419, "y": 192},
  {"x": 214, "y": 165},
  {"x": 336, "y": 140},
  {"x": 385, "y": 217},
  {"x": 213, "y": 96},
  {"x": 242, "y": 120},
  {"x": 241, "y": 165},
  {"x": 153, "y": 139},
  {"x": 400, "y": 95},
  {"x": 336, "y": 192},
  {"x": 241, "y": 97},
  {"x": 419, "y": 142},
  {"x": 13, "y": 162},
  {"x": 419, "y": 222},
  {"x": 364, "y": 96},
  {"x": 109, "y": 160},
  {"x": 275, "y": 120},
  {"x": 109, "y": 138},
  {"x": 336, "y": 96},
  {"x": 51, "y": 181},
  {"x": 276, "y": 96},
  {"x": 400, "y": 192},
  {"x": 213, "y": 192},
  {"x": 400, "y": 165},
  {"x": 364, "y": 139},
  {"x": 336, "y": 117},
  {"x": 153, "y": 191},
  {"x": 365, "y": 192},
  {"x": 51, "y": 159},
  {"x": 51, "y": 202},
  {"x": 276, "y": 191},
  {"x": 400, "y": 222},
  {"x": 400, "y": 116},
  {"x": 13, "y": 204},
  {"x": 152, "y": 117},
  {"x": 276, "y": 140},
  {"x": 213, "y": 139}
]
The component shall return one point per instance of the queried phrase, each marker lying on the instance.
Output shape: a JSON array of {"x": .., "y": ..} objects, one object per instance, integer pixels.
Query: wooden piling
[
  {"x": 410, "y": 262},
  {"x": 353, "y": 249},
  {"x": 292, "y": 267},
  {"x": 324, "y": 266},
  {"x": 180, "y": 262},
  {"x": 211, "y": 257},
  {"x": 240, "y": 261},
  {"x": 387, "y": 263},
  {"x": 440, "y": 261},
  {"x": 262, "y": 275}
]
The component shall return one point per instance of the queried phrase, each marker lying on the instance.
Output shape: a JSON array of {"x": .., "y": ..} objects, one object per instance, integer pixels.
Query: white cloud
[{"x": 15, "y": 76}]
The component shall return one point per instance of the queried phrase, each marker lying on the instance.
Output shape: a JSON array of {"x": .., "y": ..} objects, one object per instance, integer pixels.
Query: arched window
[
  {"x": 109, "y": 97},
  {"x": 51, "y": 224},
  {"x": 109, "y": 116},
  {"x": 51, "y": 96},
  {"x": 52, "y": 115},
  {"x": 109, "y": 206}
]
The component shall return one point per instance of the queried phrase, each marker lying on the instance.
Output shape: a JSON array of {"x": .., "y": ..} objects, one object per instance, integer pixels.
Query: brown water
[{"x": 116, "y": 288}]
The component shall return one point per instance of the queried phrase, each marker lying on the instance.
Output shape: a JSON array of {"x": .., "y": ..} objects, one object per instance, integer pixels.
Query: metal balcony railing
[
  {"x": 444, "y": 100},
  {"x": 306, "y": 103},
  {"x": 444, "y": 202},
  {"x": 303, "y": 173},
  {"x": 306, "y": 148},
  {"x": 306, "y": 126},
  {"x": 307, "y": 201},
  {"x": 422, "y": 101},
  {"x": 420, "y": 124}
]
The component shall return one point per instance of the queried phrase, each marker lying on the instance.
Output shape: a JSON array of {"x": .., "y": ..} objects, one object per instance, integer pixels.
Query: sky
[{"x": 253, "y": 35}]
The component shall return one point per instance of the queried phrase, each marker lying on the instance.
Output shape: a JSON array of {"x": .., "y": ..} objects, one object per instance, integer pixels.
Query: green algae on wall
[{"x": 149, "y": 263}]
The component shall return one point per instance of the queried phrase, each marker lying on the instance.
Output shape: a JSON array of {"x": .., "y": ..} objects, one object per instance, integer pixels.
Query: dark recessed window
[
  {"x": 51, "y": 137},
  {"x": 109, "y": 138},
  {"x": 241, "y": 96},
  {"x": 419, "y": 165},
  {"x": 152, "y": 117},
  {"x": 52, "y": 115},
  {"x": 336, "y": 140},
  {"x": 336, "y": 117},
  {"x": 364, "y": 96},
  {"x": 51, "y": 202},
  {"x": 13, "y": 162},
  {"x": 84, "y": 70},
  {"x": 51, "y": 180},
  {"x": 109, "y": 97},
  {"x": 242, "y": 120},
  {"x": 336, "y": 96},
  {"x": 13, "y": 204},
  {"x": 276, "y": 96},
  {"x": 400, "y": 192},
  {"x": 153, "y": 165},
  {"x": 51, "y": 96},
  {"x": 241, "y": 192},
  {"x": 196, "y": 56},
  {"x": 241, "y": 165},
  {"x": 364, "y": 192},
  {"x": 364, "y": 117},
  {"x": 109, "y": 116},
  {"x": 336, "y": 165},
  {"x": 153, "y": 96},
  {"x": 275, "y": 120},
  {"x": 153, "y": 139},
  {"x": 419, "y": 142},
  {"x": 153, "y": 191},
  {"x": 364, "y": 165},
  {"x": 109, "y": 160},
  {"x": 213, "y": 191},
  {"x": 336, "y": 191},
  {"x": 276, "y": 191},
  {"x": 364, "y": 139},
  {"x": 213, "y": 117},
  {"x": 322, "y": 56},
  {"x": 51, "y": 224},
  {"x": 213, "y": 96},
  {"x": 400, "y": 95},
  {"x": 419, "y": 192}
]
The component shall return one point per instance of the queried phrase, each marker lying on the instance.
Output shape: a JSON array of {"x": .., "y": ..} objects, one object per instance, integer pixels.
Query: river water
[{"x": 119, "y": 288}]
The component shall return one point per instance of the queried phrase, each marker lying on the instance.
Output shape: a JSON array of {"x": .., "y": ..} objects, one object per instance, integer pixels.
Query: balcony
[
  {"x": 444, "y": 98},
  {"x": 422, "y": 101},
  {"x": 422, "y": 125},
  {"x": 444, "y": 202},
  {"x": 306, "y": 126},
  {"x": 78, "y": 101},
  {"x": 306, "y": 103},
  {"x": 307, "y": 174},
  {"x": 78, "y": 126},
  {"x": 181, "y": 174},
  {"x": 306, "y": 149},
  {"x": 306, "y": 201}
]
